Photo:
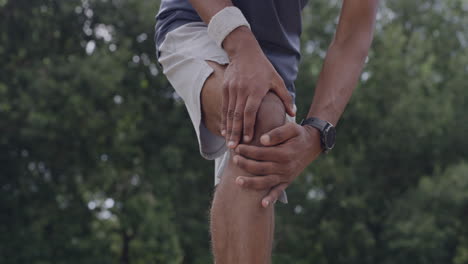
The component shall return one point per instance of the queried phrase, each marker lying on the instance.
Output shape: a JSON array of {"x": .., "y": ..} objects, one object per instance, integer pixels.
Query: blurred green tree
[{"x": 99, "y": 163}]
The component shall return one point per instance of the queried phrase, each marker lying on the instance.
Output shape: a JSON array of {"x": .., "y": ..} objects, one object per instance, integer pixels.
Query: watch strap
[
  {"x": 323, "y": 127},
  {"x": 315, "y": 122}
]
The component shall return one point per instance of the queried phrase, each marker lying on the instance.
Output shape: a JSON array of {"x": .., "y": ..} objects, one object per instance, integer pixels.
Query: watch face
[{"x": 330, "y": 137}]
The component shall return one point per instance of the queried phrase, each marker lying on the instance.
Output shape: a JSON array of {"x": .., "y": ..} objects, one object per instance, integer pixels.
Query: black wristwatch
[{"x": 326, "y": 129}]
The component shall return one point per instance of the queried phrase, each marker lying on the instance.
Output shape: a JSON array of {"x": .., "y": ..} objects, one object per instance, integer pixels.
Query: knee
[{"x": 271, "y": 114}]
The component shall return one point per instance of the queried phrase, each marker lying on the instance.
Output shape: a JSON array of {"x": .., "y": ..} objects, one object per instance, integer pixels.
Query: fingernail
[
  {"x": 246, "y": 138},
  {"x": 231, "y": 144},
  {"x": 265, "y": 139},
  {"x": 236, "y": 159},
  {"x": 266, "y": 203},
  {"x": 223, "y": 132},
  {"x": 240, "y": 181}
]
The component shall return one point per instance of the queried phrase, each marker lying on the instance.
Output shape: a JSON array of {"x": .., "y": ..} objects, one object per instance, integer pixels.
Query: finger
[
  {"x": 284, "y": 95},
  {"x": 258, "y": 183},
  {"x": 261, "y": 153},
  {"x": 280, "y": 134},
  {"x": 250, "y": 115},
  {"x": 237, "y": 122},
  {"x": 230, "y": 114},
  {"x": 258, "y": 168},
  {"x": 273, "y": 195},
  {"x": 224, "y": 108}
]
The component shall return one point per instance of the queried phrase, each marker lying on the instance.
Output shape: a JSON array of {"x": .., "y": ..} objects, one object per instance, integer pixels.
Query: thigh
[{"x": 211, "y": 99}]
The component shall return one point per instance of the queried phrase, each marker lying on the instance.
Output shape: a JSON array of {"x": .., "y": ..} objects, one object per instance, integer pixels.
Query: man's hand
[
  {"x": 247, "y": 79},
  {"x": 287, "y": 151}
]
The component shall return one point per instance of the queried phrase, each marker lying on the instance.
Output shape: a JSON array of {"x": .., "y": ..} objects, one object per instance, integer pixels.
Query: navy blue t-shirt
[{"x": 275, "y": 23}]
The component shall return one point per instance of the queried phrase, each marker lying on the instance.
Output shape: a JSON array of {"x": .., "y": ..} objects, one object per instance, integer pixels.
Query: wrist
[
  {"x": 238, "y": 41},
  {"x": 229, "y": 21},
  {"x": 314, "y": 143},
  {"x": 326, "y": 130},
  {"x": 327, "y": 113}
]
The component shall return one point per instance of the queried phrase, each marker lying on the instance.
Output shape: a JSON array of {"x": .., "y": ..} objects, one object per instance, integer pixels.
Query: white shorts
[{"x": 183, "y": 55}]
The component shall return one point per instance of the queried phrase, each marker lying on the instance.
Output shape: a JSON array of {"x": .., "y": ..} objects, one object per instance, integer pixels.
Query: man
[{"x": 234, "y": 64}]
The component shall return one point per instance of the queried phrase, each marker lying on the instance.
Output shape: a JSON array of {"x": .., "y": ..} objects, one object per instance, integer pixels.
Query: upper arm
[{"x": 357, "y": 20}]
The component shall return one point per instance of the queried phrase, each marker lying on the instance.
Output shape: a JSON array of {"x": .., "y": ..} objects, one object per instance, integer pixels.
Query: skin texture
[
  {"x": 241, "y": 229},
  {"x": 236, "y": 104},
  {"x": 345, "y": 58},
  {"x": 248, "y": 78}
]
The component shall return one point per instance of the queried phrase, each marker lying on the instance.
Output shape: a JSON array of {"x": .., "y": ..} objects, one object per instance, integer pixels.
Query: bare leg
[{"x": 241, "y": 230}]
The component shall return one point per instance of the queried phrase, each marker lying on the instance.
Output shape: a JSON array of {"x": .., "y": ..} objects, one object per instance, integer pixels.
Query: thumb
[
  {"x": 274, "y": 195},
  {"x": 280, "y": 134}
]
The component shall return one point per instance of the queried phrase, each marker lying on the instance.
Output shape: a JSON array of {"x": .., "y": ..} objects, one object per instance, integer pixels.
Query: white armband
[{"x": 224, "y": 22}]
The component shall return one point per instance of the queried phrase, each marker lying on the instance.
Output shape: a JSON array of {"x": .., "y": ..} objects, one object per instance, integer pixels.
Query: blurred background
[{"x": 99, "y": 162}]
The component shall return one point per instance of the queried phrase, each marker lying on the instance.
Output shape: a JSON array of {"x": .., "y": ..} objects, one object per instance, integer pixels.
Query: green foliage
[
  {"x": 427, "y": 224},
  {"x": 99, "y": 163}
]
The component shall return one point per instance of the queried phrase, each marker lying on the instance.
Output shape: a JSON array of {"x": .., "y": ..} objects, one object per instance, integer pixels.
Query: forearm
[
  {"x": 345, "y": 59},
  {"x": 338, "y": 79}
]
